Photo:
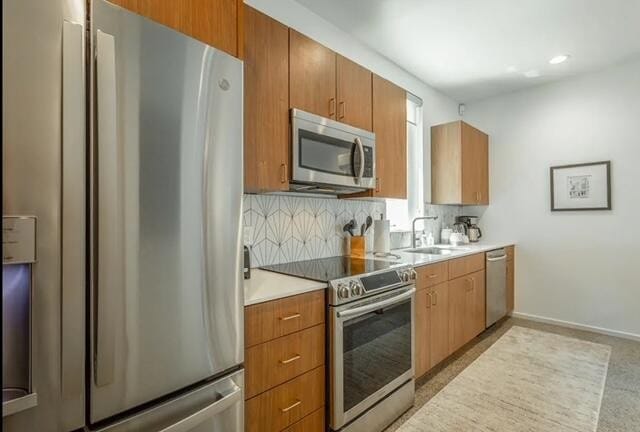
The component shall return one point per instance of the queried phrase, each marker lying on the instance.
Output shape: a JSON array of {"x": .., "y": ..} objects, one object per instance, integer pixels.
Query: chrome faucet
[{"x": 413, "y": 228}]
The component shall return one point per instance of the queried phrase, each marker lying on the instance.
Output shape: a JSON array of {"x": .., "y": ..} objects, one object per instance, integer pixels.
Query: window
[{"x": 400, "y": 211}]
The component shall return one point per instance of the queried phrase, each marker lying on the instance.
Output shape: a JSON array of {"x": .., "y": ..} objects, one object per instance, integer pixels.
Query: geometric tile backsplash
[{"x": 288, "y": 228}]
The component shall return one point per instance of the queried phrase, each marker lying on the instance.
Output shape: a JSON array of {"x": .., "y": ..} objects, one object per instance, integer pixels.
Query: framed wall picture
[{"x": 584, "y": 186}]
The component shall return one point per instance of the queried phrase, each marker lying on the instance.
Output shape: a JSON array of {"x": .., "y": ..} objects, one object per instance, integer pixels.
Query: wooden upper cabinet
[
  {"x": 214, "y": 22},
  {"x": 266, "y": 103},
  {"x": 390, "y": 127},
  {"x": 475, "y": 165},
  {"x": 354, "y": 94},
  {"x": 459, "y": 164},
  {"x": 312, "y": 76}
]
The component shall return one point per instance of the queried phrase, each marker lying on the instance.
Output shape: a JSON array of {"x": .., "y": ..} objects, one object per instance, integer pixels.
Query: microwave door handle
[{"x": 361, "y": 151}]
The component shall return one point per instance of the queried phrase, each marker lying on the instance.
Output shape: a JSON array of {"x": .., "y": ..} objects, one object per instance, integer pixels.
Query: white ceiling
[{"x": 472, "y": 49}]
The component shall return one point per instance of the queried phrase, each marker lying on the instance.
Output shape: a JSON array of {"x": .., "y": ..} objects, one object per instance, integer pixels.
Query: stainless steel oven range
[{"x": 371, "y": 338}]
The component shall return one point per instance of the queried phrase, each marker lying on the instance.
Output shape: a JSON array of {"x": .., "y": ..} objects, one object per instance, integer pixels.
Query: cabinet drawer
[
  {"x": 465, "y": 265},
  {"x": 284, "y": 405},
  {"x": 270, "y": 320},
  {"x": 432, "y": 274},
  {"x": 314, "y": 422},
  {"x": 511, "y": 251},
  {"x": 279, "y": 360}
]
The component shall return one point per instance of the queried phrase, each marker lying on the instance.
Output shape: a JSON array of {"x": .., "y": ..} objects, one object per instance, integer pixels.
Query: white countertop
[
  {"x": 265, "y": 285},
  {"x": 416, "y": 259}
]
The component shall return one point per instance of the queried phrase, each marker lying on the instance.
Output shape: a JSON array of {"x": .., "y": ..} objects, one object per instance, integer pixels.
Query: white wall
[
  {"x": 581, "y": 267},
  {"x": 438, "y": 108}
]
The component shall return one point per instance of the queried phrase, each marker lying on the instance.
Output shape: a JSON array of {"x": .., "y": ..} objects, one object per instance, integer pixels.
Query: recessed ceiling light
[
  {"x": 559, "y": 59},
  {"x": 532, "y": 73}
]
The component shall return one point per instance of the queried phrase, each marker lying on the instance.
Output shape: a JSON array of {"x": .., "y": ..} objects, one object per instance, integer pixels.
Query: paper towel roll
[{"x": 381, "y": 238}]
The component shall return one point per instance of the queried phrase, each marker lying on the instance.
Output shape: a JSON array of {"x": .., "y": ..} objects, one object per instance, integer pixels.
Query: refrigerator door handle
[
  {"x": 108, "y": 239},
  {"x": 73, "y": 210},
  {"x": 189, "y": 423}
]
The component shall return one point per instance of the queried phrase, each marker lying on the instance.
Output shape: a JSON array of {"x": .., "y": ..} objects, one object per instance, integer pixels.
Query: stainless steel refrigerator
[{"x": 124, "y": 138}]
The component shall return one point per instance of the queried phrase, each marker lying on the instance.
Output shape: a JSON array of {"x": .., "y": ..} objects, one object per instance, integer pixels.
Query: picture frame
[{"x": 581, "y": 187}]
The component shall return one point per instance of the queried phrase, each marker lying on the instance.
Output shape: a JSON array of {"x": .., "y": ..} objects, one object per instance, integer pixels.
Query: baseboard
[{"x": 569, "y": 324}]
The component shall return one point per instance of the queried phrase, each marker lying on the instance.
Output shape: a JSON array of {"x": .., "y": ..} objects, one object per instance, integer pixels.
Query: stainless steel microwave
[{"x": 331, "y": 157}]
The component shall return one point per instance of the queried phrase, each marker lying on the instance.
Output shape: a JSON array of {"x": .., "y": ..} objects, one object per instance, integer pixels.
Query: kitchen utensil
[
  {"x": 369, "y": 222},
  {"x": 350, "y": 226},
  {"x": 363, "y": 228}
]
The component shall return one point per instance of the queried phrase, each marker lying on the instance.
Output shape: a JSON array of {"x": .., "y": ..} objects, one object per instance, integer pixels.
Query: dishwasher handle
[{"x": 500, "y": 258}]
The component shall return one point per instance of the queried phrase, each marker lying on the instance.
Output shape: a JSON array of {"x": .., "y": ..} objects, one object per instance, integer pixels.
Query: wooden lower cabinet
[
  {"x": 439, "y": 336},
  {"x": 432, "y": 327},
  {"x": 286, "y": 404},
  {"x": 466, "y": 309},
  {"x": 314, "y": 422},
  {"x": 422, "y": 332},
  {"x": 279, "y": 360},
  {"x": 284, "y": 364},
  {"x": 266, "y": 321}
]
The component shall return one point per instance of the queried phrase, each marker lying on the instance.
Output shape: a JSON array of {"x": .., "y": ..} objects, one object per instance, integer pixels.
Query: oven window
[
  {"x": 376, "y": 350},
  {"x": 326, "y": 154}
]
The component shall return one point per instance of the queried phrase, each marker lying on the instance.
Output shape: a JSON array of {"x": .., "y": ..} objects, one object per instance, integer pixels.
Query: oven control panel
[{"x": 349, "y": 289}]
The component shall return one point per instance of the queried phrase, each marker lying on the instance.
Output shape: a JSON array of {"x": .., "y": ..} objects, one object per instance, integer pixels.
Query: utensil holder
[{"x": 357, "y": 247}]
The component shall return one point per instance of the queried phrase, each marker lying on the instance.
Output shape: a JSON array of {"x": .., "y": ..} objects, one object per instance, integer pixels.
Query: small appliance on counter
[
  {"x": 18, "y": 255},
  {"x": 468, "y": 225}
]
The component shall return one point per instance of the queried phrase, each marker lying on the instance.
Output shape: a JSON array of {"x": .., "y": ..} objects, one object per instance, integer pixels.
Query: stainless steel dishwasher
[{"x": 496, "y": 285}]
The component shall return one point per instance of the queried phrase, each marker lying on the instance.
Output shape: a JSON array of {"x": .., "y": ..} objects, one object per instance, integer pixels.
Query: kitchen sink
[
  {"x": 437, "y": 250},
  {"x": 431, "y": 251}
]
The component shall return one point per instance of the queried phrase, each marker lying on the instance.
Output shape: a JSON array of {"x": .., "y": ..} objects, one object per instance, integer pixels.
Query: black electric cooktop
[{"x": 328, "y": 269}]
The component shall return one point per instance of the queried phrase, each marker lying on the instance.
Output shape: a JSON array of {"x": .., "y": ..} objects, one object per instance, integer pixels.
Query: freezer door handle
[
  {"x": 73, "y": 211},
  {"x": 189, "y": 423},
  {"x": 108, "y": 238}
]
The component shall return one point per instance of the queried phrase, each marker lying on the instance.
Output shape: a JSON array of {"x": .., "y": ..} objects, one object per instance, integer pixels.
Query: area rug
[{"x": 529, "y": 381}]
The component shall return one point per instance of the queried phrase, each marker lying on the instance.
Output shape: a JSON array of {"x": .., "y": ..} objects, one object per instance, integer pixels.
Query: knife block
[{"x": 357, "y": 247}]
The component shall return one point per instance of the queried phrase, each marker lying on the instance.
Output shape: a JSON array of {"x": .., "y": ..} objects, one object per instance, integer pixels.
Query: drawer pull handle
[
  {"x": 290, "y": 407},
  {"x": 431, "y": 276},
  {"x": 472, "y": 284},
  {"x": 292, "y": 359},
  {"x": 290, "y": 317}
]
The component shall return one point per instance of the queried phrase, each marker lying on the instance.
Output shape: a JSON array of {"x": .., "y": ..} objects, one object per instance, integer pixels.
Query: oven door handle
[
  {"x": 357, "y": 311},
  {"x": 361, "y": 151}
]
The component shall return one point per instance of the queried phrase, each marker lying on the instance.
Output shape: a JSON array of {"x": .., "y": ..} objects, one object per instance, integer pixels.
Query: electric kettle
[{"x": 474, "y": 233}]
